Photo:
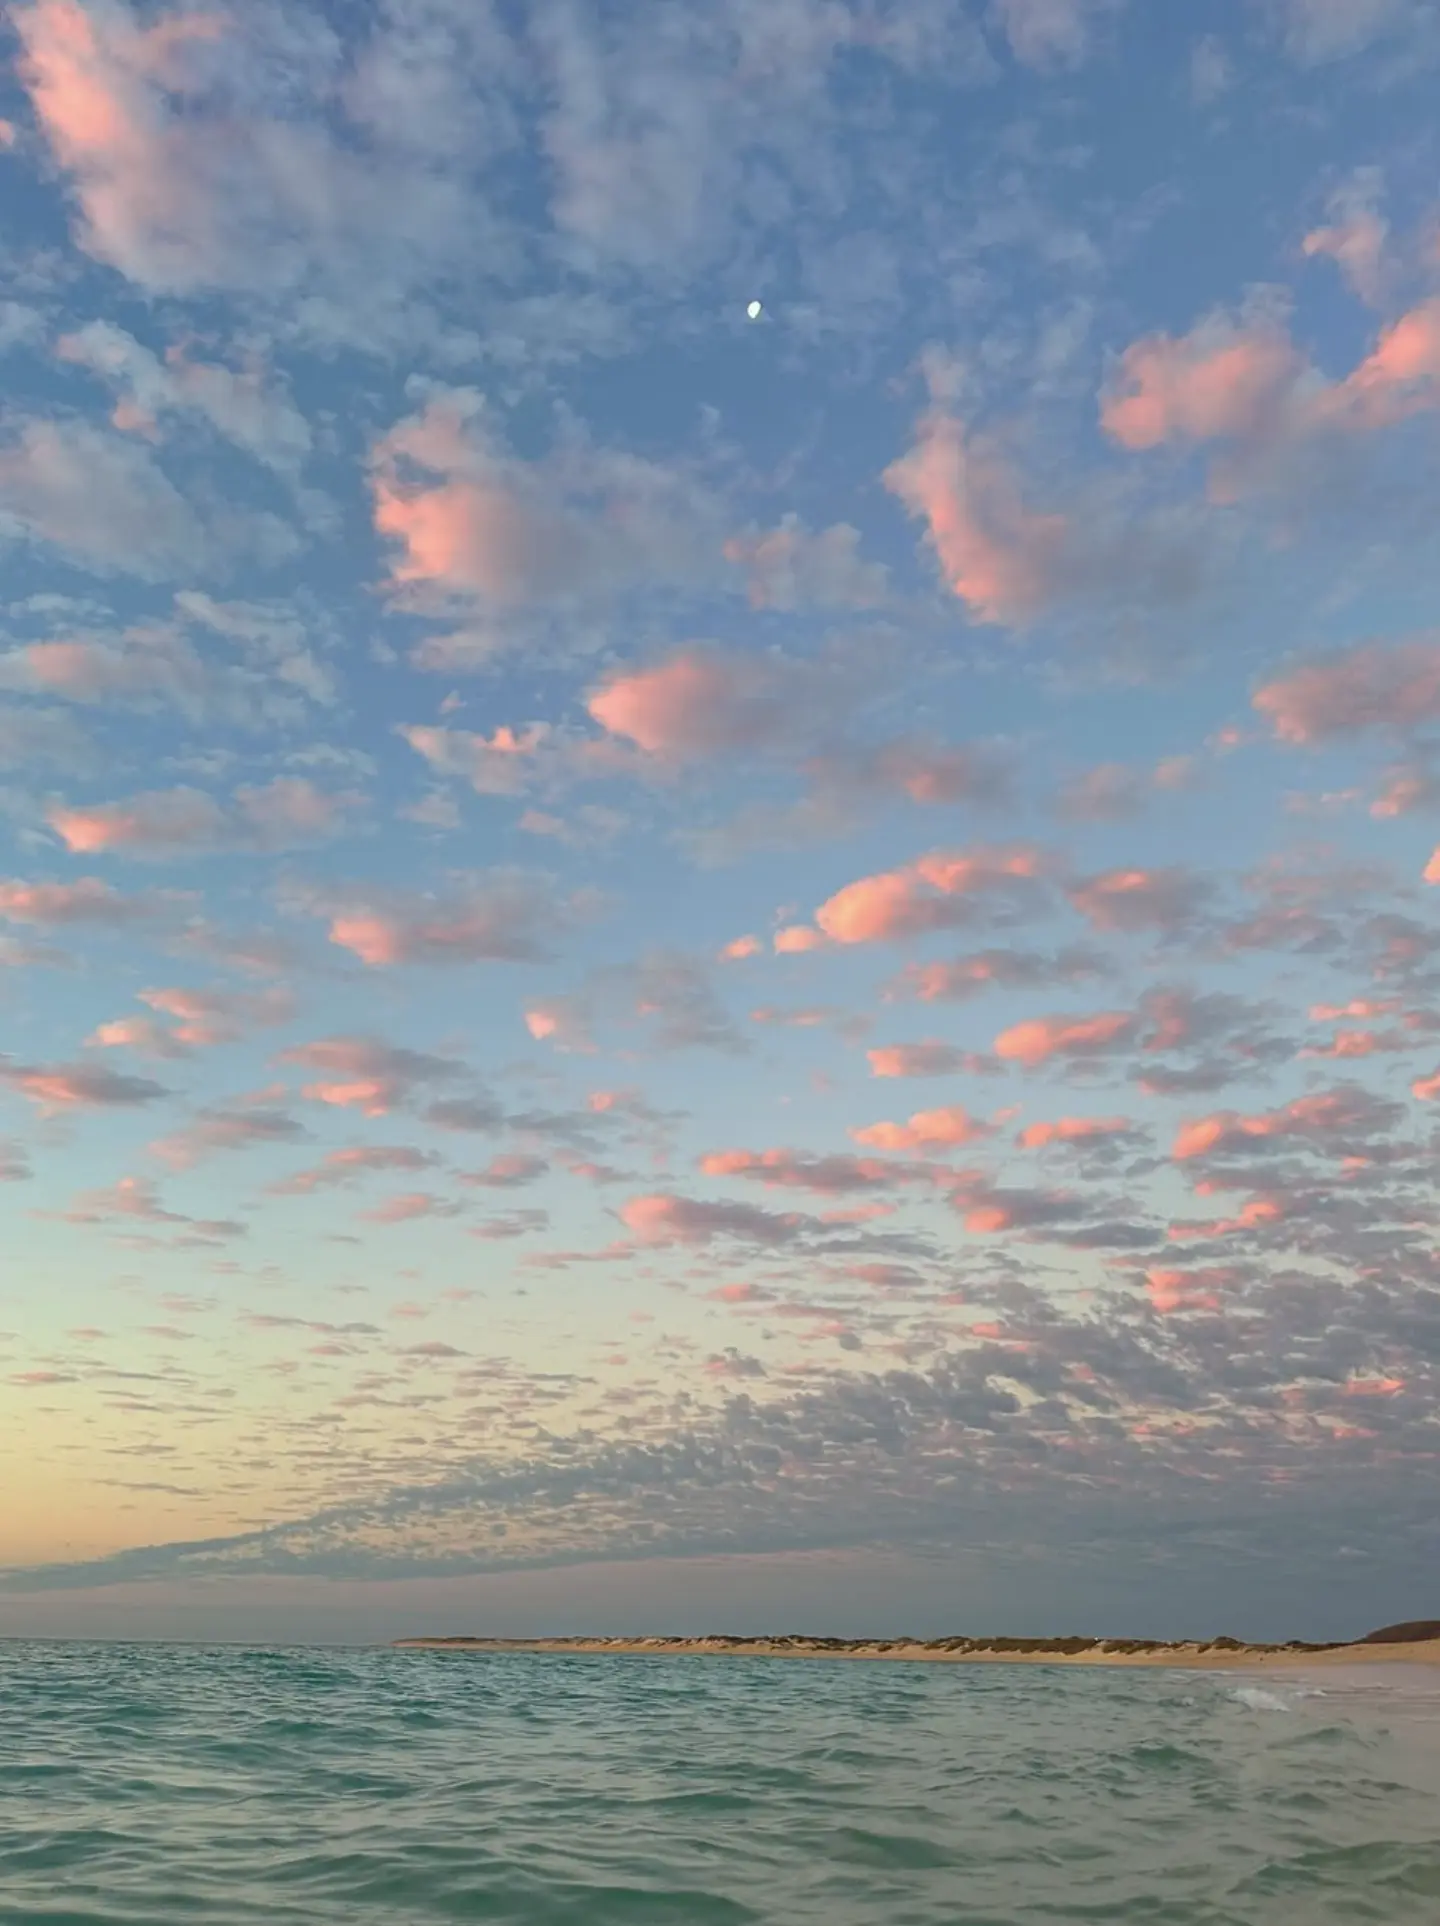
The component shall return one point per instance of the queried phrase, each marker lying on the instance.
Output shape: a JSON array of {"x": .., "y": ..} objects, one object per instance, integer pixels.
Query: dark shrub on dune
[{"x": 1410, "y": 1633}]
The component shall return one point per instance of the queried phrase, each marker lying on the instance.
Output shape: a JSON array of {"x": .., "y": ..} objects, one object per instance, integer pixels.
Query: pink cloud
[
  {"x": 740, "y": 1294},
  {"x": 87, "y": 671},
  {"x": 97, "y": 82},
  {"x": 500, "y": 917},
  {"x": 796, "y": 938},
  {"x": 997, "y": 556},
  {"x": 365, "y": 1074},
  {"x": 472, "y": 523},
  {"x": 407, "y": 1207},
  {"x": 936, "y": 892},
  {"x": 664, "y": 1218},
  {"x": 697, "y": 703},
  {"x": 561, "y": 1020},
  {"x": 191, "y": 172},
  {"x": 79, "y": 103},
  {"x": 1040, "y": 1038},
  {"x": 1219, "y": 382},
  {"x": 1399, "y": 377},
  {"x": 139, "y": 1033},
  {"x": 375, "y": 939},
  {"x": 456, "y": 533},
  {"x": 143, "y": 668},
  {"x": 702, "y": 702},
  {"x": 285, "y": 813},
  {"x": 1387, "y": 686},
  {"x": 740, "y": 949},
  {"x": 919, "y": 1060},
  {"x": 1174, "y": 1292},
  {"x": 1405, "y": 790},
  {"x": 881, "y": 908},
  {"x": 835, "y": 1176},
  {"x": 886, "y": 1277},
  {"x": 129, "y": 1197},
  {"x": 988, "y": 1208},
  {"x": 947, "y": 1128},
  {"x": 59, "y": 1087},
  {"x": 984, "y": 1219},
  {"x": 1248, "y": 383},
  {"x": 593, "y": 1173},
  {"x": 1332, "y": 1114},
  {"x": 1072, "y": 1130},
  {"x": 364, "y": 1093},
  {"x": 1358, "y": 1008},
  {"x": 1139, "y": 899},
  {"x": 508, "y": 1172},
  {"x": 136, "y": 1198},
  {"x": 478, "y": 525},
  {"x": 131, "y": 419},
  {"x": 156, "y": 664},
  {"x": 1347, "y": 1045},
  {"x": 1259, "y": 1212},
  {"x": 157, "y": 824},
  {"x": 86, "y": 901},
  {"x": 206, "y": 1018},
  {"x": 344, "y": 1166}
]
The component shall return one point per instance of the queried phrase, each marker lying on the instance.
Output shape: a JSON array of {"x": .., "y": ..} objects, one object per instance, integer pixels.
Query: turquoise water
[{"x": 314, "y": 1787}]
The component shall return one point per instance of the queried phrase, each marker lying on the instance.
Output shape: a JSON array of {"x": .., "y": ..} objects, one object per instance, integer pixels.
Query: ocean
[{"x": 158, "y": 1785}]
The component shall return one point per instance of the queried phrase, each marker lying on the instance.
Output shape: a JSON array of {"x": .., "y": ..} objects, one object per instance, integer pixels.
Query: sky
[{"x": 718, "y": 762}]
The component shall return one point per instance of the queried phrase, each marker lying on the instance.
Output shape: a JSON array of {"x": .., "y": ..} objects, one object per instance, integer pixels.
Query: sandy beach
[{"x": 1190, "y": 1655}]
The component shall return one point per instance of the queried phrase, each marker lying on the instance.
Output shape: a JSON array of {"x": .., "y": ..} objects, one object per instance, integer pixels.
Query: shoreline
[{"x": 1184, "y": 1655}]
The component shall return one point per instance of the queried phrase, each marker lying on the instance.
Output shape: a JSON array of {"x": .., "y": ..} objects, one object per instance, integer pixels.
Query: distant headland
[{"x": 1417, "y": 1641}]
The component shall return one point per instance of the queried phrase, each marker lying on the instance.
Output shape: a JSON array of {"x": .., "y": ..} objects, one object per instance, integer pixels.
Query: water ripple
[{"x": 141, "y": 1785}]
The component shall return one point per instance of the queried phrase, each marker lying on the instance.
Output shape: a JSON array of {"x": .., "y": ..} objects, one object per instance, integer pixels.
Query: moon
[{"x": 754, "y": 310}]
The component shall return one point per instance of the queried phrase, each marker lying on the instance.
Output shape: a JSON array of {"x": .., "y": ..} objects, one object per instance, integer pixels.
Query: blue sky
[{"x": 644, "y": 939}]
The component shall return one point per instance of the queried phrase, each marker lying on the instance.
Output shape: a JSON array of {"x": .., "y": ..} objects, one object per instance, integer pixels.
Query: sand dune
[{"x": 1224, "y": 1653}]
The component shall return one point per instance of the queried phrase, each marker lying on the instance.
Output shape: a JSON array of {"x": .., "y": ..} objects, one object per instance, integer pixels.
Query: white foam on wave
[{"x": 1259, "y": 1700}]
